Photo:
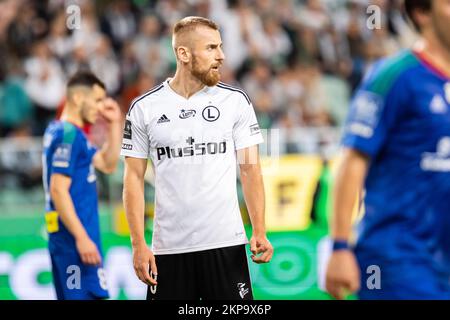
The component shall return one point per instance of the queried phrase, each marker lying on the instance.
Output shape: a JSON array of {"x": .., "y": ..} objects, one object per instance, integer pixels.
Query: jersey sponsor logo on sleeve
[
  {"x": 187, "y": 114},
  {"x": 366, "y": 112},
  {"x": 127, "y": 133},
  {"x": 127, "y": 146},
  {"x": 48, "y": 138},
  {"x": 360, "y": 129},
  {"x": 254, "y": 129},
  {"x": 61, "y": 157}
]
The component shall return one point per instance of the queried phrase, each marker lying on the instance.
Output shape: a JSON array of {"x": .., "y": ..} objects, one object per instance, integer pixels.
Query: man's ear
[
  {"x": 184, "y": 54},
  {"x": 76, "y": 97}
]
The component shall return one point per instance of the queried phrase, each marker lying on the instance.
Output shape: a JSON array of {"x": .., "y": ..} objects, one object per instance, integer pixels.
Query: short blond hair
[{"x": 192, "y": 22}]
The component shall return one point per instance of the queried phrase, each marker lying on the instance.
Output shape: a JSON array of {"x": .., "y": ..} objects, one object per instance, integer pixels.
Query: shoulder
[
  {"x": 69, "y": 132},
  {"x": 62, "y": 130},
  {"x": 233, "y": 90},
  {"x": 388, "y": 72},
  {"x": 62, "y": 134},
  {"x": 145, "y": 99}
]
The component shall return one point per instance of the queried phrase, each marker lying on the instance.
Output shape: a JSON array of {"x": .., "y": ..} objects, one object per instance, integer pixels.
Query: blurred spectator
[
  {"x": 173, "y": 10},
  {"x": 398, "y": 24},
  {"x": 337, "y": 94},
  {"x": 16, "y": 109},
  {"x": 119, "y": 22},
  {"x": 288, "y": 121},
  {"x": 26, "y": 27},
  {"x": 129, "y": 64},
  {"x": 149, "y": 49},
  {"x": 228, "y": 15},
  {"x": 259, "y": 85},
  {"x": 201, "y": 8},
  {"x": 274, "y": 43},
  {"x": 59, "y": 40},
  {"x": 384, "y": 43},
  {"x": 288, "y": 88},
  {"x": 20, "y": 161},
  {"x": 8, "y": 12},
  {"x": 315, "y": 110},
  {"x": 144, "y": 82},
  {"x": 334, "y": 51},
  {"x": 313, "y": 15},
  {"x": 45, "y": 84},
  {"x": 77, "y": 60},
  {"x": 88, "y": 33},
  {"x": 103, "y": 63}
]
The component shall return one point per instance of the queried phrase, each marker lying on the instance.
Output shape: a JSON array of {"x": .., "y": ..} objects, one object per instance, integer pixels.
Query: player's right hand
[
  {"x": 111, "y": 110},
  {"x": 88, "y": 251},
  {"x": 143, "y": 258},
  {"x": 260, "y": 244},
  {"x": 342, "y": 275}
]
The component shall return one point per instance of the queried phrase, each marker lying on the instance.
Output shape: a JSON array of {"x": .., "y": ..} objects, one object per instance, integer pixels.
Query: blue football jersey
[
  {"x": 67, "y": 151},
  {"x": 400, "y": 117}
]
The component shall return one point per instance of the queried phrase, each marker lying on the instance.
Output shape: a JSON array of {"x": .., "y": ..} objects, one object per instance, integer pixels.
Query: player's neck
[
  {"x": 184, "y": 84},
  {"x": 435, "y": 52},
  {"x": 71, "y": 116}
]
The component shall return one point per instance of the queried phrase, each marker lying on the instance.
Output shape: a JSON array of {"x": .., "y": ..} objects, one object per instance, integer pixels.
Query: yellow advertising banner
[{"x": 290, "y": 183}]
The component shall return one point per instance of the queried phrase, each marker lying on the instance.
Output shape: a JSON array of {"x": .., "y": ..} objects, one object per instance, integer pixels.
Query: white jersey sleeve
[
  {"x": 135, "y": 138},
  {"x": 246, "y": 131}
]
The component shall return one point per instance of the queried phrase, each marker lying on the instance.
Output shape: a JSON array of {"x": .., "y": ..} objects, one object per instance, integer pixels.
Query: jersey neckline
[
  {"x": 75, "y": 125},
  {"x": 81, "y": 129},
  {"x": 167, "y": 85},
  {"x": 430, "y": 65}
]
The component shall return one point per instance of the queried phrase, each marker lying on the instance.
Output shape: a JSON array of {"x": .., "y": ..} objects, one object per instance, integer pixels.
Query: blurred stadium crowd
[{"x": 299, "y": 60}]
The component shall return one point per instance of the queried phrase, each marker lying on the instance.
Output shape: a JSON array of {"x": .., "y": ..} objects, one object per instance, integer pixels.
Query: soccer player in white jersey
[{"x": 195, "y": 130}]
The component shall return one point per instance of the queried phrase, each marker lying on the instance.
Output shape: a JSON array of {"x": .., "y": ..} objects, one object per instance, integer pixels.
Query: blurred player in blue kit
[
  {"x": 69, "y": 163},
  {"x": 397, "y": 147}
]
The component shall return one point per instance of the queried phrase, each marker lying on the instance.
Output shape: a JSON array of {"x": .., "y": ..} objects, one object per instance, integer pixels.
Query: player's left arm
[
  {"x": 253, "y": 188},
  {"x": 107, "y": 157}
]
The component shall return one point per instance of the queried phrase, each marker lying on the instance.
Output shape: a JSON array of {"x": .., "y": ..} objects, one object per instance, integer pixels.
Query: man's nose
[{"x": 221, "y": 55}]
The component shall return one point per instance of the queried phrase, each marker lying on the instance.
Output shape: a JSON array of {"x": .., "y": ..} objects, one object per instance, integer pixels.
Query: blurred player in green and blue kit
[
  {"x": 69, "y": 163},
  {"x": 397, "y": 147}
]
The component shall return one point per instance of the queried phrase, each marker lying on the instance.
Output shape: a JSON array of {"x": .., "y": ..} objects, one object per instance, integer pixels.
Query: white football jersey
[{"x": 192, "y": 144}]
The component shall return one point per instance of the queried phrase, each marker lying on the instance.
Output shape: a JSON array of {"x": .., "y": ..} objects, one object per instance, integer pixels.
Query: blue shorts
[
  {"x": 75, "y": 281},
  {"x": 402, "y": 281}
]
